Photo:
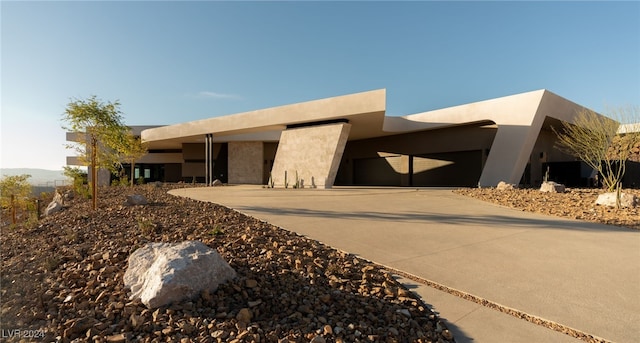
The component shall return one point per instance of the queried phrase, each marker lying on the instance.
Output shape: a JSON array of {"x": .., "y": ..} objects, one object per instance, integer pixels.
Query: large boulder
[
  {"x": 609, "y": 200},
  {"x": 135, "y": 199},
  {"x": 552, "y": 187},
  {"x": 162, "y": 273}
]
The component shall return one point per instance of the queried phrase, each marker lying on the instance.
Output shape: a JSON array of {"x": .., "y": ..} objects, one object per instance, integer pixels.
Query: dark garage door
[{"x": 459, "y": 169}]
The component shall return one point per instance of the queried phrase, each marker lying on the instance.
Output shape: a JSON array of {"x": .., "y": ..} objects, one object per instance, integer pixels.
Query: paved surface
[{"x": 582, "y": 275}]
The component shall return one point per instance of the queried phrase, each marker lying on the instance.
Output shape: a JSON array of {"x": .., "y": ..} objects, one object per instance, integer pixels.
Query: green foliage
[
  {"x": 146, "y": 226},
  {"x": 98, "y": 126},
  {"x": 140, "y": 180},
  {"x": 79, "y": 178},
  {"x": 131, "y": 148},
  {"x": 16, "y": 187},
  {"x": 99, "y": 134},
  {"x": 216, "y": 231},
  {"x": 122, "y": 181}
]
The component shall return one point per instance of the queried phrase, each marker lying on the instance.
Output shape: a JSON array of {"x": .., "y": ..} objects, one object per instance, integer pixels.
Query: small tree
[
  {"x": 14, "y": 193},
  {"x": 597, "y": 141},
  {"x": 131, "y": 148},
  {"x": 99, "y": 130}
]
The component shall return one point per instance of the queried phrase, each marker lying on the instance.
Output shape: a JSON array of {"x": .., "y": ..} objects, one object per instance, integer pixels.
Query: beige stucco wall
[
  {"x": 313, "y": 152},
  {"x": 245, "y": 162}
]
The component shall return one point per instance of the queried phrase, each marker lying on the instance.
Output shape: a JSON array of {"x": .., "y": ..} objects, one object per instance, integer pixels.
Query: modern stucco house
[{"x": 349, "y": 140}]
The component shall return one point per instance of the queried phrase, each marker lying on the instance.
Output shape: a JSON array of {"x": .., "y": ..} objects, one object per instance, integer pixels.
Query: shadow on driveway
[{"x": 440, "y": 218}]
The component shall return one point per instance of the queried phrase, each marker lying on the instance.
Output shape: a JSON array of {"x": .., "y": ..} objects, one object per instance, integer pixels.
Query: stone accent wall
[
  {"x": 246, "y": 162},
  {"x": 313, "y": 152}
]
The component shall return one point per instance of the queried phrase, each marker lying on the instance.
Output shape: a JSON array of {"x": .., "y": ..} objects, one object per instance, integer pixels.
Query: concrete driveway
[{"x": 583, "y": 275}]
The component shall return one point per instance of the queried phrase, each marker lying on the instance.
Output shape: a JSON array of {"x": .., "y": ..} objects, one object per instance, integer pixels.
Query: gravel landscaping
[
  {"x": 62, "y": 279},
  {"x": 573, "y": 204}
]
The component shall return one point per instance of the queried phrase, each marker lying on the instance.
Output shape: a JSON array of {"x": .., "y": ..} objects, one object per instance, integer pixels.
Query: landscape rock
[
  {"x": 162, "y": 273},
  {"x": 609, "y": 200},
  {"x": 62, "y": 196},
  {"x": 552, "y": 187},
  {"x": 58, "y": 197},
  {"x": 135, "y": 199},
  {"x": 505, "y": 186},
  {"x": 216, "y": 183},
  {"x": 52, "y": 208},
  {"x": 244, "y": 315}
]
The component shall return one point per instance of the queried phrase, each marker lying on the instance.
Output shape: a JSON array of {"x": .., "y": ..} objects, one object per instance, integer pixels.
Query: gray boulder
[
  {"x": 135, "y": 199},
  {"x": 552, "y": 187},
  {"x": 216, "y": 183},
  {"x": 609, "y": 200},
  {"x": 162, "y": 273}
]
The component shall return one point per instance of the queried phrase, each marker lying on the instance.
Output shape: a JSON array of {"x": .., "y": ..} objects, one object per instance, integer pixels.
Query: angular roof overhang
[{"x": 365, "y": 111}]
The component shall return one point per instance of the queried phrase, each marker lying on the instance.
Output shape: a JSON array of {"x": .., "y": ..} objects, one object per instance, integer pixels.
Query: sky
[{"x": 171, "y": 62}]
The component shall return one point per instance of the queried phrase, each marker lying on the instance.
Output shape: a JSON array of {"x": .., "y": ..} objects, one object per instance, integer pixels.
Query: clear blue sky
[{"x": 170, "y": 62}]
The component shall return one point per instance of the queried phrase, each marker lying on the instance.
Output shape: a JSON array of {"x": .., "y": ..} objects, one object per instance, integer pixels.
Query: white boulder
[
  {"x": 162, "y": 273},
  {"x": 135, "y": 199},
  {"x": 505, "y": 186},
  {"x": 552, "y": 187},
  {"x": 52, "y": 208},
  {"x": 609, "y": 199},
  {"x": 58, "y": 197}
]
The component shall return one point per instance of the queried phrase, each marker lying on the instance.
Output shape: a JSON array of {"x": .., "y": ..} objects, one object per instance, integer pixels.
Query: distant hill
[{"x": 39, "y": 177}]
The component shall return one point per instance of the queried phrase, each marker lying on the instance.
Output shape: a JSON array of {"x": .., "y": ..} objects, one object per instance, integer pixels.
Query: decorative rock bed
[{"x": 63, "y": 278}]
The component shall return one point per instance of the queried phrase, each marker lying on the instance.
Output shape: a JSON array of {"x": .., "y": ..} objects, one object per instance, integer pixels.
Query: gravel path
[{"x": 62, "y": 280}]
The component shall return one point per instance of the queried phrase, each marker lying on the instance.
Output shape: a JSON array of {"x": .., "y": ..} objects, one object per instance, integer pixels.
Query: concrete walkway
[{"x": 582, "y": 275}]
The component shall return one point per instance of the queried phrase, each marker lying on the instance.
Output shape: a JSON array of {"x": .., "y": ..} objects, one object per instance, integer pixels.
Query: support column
[
  {"x": 509, "y": 153},
  {"x": 206, "y": 159},
  {"x": 209, "y": 159}
]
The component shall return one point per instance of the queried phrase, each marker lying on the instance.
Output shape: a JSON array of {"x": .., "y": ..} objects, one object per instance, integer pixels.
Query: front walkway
[{"x": 582, "y": 275}]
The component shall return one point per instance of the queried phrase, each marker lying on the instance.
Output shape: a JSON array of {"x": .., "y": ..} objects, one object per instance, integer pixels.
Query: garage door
[
  {"x": 459, "y": 169},
  {"x": 378, "y": 171}
]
